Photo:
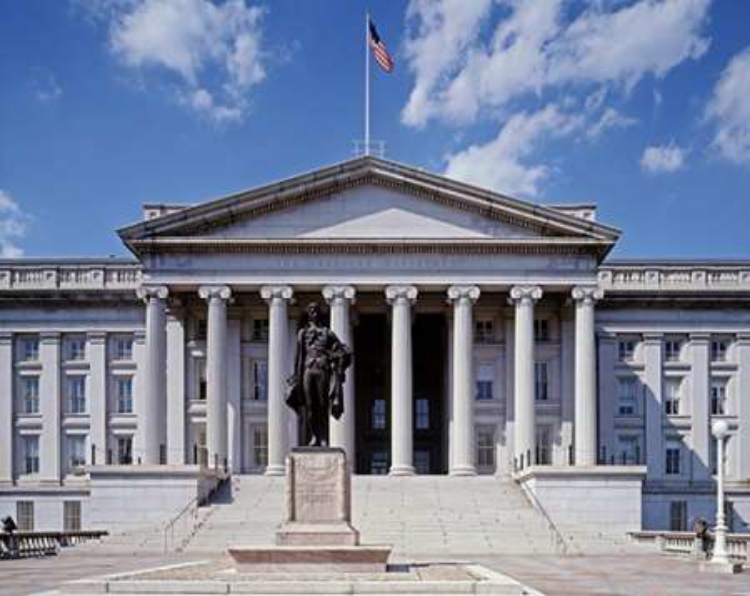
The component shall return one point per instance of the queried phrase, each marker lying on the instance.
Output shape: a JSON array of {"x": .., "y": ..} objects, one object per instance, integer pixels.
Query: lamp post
[{"x": 720, "y": 430}]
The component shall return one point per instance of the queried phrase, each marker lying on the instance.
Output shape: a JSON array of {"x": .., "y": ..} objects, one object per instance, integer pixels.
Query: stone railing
[
  {"x": 687, "y": 543},
  {"x": 614, "y": 277},
  {"x": 35, "y": 544},
  {"x": 70, "y": 276}
]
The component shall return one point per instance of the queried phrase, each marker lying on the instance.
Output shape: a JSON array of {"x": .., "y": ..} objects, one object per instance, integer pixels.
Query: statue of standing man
[{"x": 316, "y": 389}]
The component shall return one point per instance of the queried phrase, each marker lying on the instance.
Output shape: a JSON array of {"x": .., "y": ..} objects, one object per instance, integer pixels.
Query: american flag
[{"x": 379, "y": 51}]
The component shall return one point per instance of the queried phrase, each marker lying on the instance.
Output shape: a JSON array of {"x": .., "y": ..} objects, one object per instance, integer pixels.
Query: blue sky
[{"x": 638, "y": 106}]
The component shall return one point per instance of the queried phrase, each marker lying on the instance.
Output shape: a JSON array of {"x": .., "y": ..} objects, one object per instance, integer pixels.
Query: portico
[{"x": 374, "y": 237}]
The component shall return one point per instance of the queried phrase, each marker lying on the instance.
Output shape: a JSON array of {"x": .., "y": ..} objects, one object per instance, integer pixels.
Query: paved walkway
[{"x": 580, "y": 576}]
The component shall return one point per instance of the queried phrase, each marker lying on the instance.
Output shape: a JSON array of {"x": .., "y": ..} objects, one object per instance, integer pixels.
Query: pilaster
[
  {"x": 50, "y": 449},
  {"x": 653, "y": 345},
  {"x": 7, "y": 433},
  {"x": 176, "y": 404},
  {"x": 98, "y": 398},
  {"x": 700, "y": 344},
  {"x": 742, "y": 405}
]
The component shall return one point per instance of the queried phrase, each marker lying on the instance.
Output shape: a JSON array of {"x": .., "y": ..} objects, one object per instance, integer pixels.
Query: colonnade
[{"x": 401, "y": 299}]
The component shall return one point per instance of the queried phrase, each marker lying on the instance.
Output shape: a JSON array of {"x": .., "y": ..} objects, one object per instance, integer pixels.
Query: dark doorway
[
  {"x": 372, "y": 387},
  {"x": 429, "y": 349}
]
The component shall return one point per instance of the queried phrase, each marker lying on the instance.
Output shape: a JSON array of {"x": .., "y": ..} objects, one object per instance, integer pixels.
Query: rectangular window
[
  {"x": 76, "y": 452},
  {"x": 77, "y": 394},
  {"x": 672, "y": 350},
  {"x": 202, "y": 378},
  {"x": 629, "y": 450},
  {"x": 627, "y": 393},
  {"x": 678, "y": 516},
  {"x": 260, "y": 446},
  {"x": 541, "y": 330},
  {"x": 125, "y": 450},
  {"x": 673, "y": 456},
  {"x": 30, "y": 446},
  {"x": 260, "y": 330},
  {"x": 422, "y": 418},
  {"x": 379, "y": 463},
  {"x": 30, "y": 349},
  {"x": 486, "y": 448},
  {"x": 626, "y": 350},
  {"x": 485, "y": 381},
  {"x": 260, "y": 380},
  {"x": 124, "y": 395},
  {"x": 544, "y": 444},
  {"x": 378, "y": 414},
  {"x": 30, "y": 394},
  {"x": 76, "y": 348},
  {"x": 541, "y": 381},
  {"x": 718, "y": 397},
  {"x": 484, "y": 331},
  {"x": 672, "y": 397},
  {"x": 719, "y": 349},
  {"x": 25, "y": 516},
  {"x": 422, "y": 461},
  {"x": 123, "y": 348},
  {"x": 72, "y": 516}
]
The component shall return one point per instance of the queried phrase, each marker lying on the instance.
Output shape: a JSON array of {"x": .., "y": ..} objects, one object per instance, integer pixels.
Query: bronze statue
[{"x": 316, "y": 389}]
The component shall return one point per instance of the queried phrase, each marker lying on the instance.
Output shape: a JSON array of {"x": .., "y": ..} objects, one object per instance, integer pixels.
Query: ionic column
[
  {"x": 585, "y": 298},
  {"x": 340, "y": 298},
  {"x": 278, "y": 298},
  {"x": 524, "y": 298},
  {"x": 463, "y": 299},
  {"x": 216, "y": 373},
  {"x": 402, "y": 414}
]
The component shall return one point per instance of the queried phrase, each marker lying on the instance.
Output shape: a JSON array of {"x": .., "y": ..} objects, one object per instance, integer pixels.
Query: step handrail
[
  {"x": 191, "y": 506},
  {"x": 537, "y": 504}
]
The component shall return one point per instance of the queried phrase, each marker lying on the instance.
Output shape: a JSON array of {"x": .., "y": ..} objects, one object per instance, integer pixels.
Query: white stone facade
[{"x": 490, "y": 335}]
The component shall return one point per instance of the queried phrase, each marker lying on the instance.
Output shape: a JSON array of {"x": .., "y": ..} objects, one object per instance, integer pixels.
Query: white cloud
[
  {"x": 729, "y": 109},
  {"x": 47, "y": 89},
  {"x": 13, "y": 223},
  {"x": 214, "y": 49},
  {"x": 658, "y": 159},
  {"x": 609, "y": 119},
  {"x": 500, "y": 163},
  {"x": 536, "y": 46}
]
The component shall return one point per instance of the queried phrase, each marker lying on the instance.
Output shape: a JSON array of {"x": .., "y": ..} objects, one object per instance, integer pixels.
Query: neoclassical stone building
[{"x": 492, "y": 336}]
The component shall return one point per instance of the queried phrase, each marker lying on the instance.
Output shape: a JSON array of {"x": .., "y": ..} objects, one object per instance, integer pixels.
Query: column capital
[
  {"x": 743, "y": 338},
  {"x": 218, "y": 292},
  {"x": 459, "y": 293},
  {"x": 97, "y": 337},
  {"x": 334, "y": 293},
  {"x": 271, "y": 293},
  {"x": 6, "y": 338},
  {"x": 148, "y": 292},
  {"x": 397, "y": 293},
  {"x": 587, "y": 294},
  {"x": 524, "y": 294}
]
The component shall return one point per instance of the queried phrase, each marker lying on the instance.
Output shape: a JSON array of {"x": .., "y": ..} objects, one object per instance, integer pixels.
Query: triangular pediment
[{"x": 367, "y": 199}]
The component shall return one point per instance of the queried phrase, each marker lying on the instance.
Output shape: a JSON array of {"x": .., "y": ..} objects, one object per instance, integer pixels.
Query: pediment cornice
[{"x": 192, "y": 223}]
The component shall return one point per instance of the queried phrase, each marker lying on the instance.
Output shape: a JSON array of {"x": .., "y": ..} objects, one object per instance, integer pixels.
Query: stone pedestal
[
  {"x": 316, "y": 533},
  {"x": 318, "y": 499}
]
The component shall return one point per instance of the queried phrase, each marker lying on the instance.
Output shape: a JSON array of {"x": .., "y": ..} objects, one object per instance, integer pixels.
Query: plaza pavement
[{"x": 627, "y": 575}]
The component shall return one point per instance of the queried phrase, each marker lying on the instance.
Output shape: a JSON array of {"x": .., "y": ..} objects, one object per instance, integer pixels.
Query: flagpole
[{"x": 367, "y": 83}]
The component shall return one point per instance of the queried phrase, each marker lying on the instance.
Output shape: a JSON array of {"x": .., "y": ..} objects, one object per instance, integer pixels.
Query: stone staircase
[{"x": 422, "y": 516}]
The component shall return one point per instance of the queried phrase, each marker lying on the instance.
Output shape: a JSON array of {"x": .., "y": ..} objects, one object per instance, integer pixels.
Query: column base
[
  {"x": 401, "y": 470},
  {"x": 463, "y": 471},
  {"x": 275, "y": 470}
]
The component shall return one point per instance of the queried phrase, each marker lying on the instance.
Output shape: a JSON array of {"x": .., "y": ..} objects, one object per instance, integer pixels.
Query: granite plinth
[
  {"x": 279, "y": 559},
  {"x": 318, "y": 499}
]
